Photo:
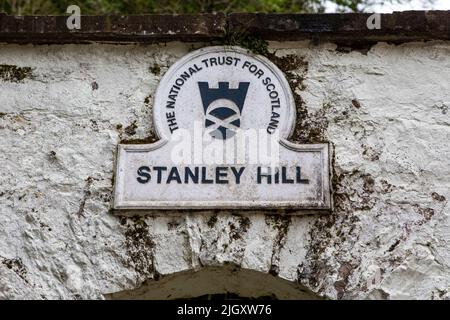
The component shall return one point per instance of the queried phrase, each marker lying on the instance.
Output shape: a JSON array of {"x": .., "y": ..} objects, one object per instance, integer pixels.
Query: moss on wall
[{"x": 13, "y": 73}]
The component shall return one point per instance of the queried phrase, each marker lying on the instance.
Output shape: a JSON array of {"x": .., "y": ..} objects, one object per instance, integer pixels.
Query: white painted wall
[{"x": 389, "y": 236}]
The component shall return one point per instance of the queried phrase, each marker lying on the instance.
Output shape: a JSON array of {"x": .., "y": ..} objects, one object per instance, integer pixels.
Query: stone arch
[{"x": 243, "y": 283}]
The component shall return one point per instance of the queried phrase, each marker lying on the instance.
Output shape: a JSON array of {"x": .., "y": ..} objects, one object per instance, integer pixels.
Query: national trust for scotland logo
[
  {"x": 229, "y": 90},
  {"x": 223, "y": 107}
]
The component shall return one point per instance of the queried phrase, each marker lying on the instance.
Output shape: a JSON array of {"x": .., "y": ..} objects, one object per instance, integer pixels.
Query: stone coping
[{"x": 340, "y": 27}]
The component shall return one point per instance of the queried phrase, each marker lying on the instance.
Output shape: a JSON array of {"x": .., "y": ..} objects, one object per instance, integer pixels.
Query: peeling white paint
[{"x": 389, "y": 236}]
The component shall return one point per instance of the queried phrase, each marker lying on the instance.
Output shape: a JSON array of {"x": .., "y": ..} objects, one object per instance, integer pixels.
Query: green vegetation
[{"x": 58, "y": 7}]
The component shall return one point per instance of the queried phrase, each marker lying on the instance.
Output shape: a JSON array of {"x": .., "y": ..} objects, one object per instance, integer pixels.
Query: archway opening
[{"x": 225, "y": 282}]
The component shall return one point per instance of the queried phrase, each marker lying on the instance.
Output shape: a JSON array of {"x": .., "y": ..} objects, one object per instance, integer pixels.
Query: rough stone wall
[{"x": 64, "y": 109}]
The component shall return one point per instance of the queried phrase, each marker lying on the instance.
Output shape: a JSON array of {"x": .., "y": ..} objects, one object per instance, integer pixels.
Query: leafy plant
[{"x": 58, "y": 7}]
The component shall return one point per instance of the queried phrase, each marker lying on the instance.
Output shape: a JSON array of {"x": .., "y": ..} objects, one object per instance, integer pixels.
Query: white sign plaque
[{"x": 223, "y": 117}]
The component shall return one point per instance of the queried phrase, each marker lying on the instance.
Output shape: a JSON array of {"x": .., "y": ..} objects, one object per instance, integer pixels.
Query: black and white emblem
[{"x": 223, "y": 107}]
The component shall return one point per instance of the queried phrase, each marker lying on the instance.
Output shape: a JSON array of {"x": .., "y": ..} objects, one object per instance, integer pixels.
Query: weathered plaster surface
[{"x": 385, "y": 114}]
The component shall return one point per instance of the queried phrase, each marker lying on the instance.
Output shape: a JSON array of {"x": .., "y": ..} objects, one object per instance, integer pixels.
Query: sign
[{"x": 223, "y": 116}]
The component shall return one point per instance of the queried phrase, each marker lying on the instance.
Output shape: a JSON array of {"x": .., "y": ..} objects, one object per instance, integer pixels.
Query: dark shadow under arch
[{"x": 225, "y": 281}]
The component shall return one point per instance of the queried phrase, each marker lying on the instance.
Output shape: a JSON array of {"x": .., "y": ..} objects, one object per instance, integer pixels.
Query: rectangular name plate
[
  {"x": 146, "y": 180},
  {"x": 223, "y": 117}
]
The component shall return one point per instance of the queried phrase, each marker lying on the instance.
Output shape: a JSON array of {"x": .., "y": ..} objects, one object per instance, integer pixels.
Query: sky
[{"x": 412, "y": 5}]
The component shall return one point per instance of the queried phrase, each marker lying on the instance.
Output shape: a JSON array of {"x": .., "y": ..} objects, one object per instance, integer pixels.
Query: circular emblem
[{"x": 223, "y": 90}]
